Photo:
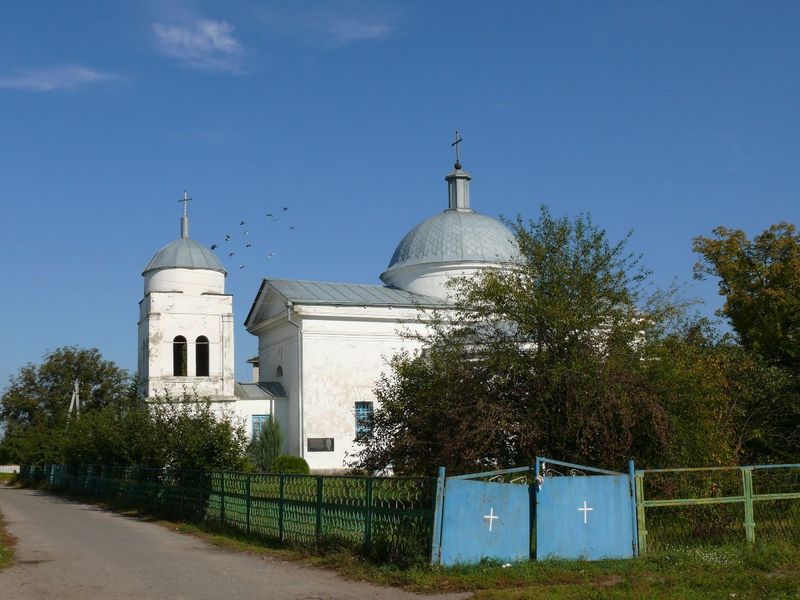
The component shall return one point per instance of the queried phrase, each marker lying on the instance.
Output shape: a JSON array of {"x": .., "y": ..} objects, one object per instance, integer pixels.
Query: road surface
[{"x": 70, "y": 551}]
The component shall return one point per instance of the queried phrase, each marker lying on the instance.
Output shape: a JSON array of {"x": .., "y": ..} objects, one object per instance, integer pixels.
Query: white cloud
[
  {"x": 344, "y": 30},
  {"x": 331, "y": 24},
  {"x": 206, "y": 45},
  {"x": 54, "y": 78}
]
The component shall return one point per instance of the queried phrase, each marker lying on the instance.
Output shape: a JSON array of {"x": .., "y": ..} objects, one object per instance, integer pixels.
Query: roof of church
[
  {"x": 263, "y": 390},
  {"x": 316, "y": 292},
  {"x": 184, "y": 253},
  {"x": 456, "y": 235}
]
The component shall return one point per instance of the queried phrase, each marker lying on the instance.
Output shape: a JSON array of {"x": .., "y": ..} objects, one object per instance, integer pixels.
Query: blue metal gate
[{"x": 588, "y": 513}]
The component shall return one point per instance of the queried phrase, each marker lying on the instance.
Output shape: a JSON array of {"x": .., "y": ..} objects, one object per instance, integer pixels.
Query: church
[{"x": 321, "y": 346}]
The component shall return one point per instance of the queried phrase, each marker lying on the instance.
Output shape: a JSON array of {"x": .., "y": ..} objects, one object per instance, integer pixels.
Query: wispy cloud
[
  {"x": 332, "y": 24},
  {"x": 205, "y": 45},
  {"x": 49, "y": 79}
]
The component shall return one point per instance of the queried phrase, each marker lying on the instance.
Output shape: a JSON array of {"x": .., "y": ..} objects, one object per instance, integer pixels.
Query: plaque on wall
[{"x": 320, "y": 444}]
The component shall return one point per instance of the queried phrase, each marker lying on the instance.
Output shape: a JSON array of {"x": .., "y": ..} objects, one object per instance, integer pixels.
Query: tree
[
  {"x": 33, "y": 408},
  {"x": 266, "y": 446},
  {"x": 760, "y": 280},
  {"x": 546, "y": 358}
]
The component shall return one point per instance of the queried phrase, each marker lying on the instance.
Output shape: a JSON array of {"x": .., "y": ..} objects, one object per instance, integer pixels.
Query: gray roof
[
  {"x": 353, "y": 294},
  {"x": 264, "y": 390},
  {"x": 184, "y": 253},
  {"x": 456, "y": 236}
]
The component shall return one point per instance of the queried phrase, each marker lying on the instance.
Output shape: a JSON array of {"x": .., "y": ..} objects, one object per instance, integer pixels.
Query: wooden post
[
  {"x": 640, "y": 513},
  {"x": 436, "y": 548},
  {"x": 222, "y": 498},
  {"x": 749, "y": 516},
  {"x": 368, "y": 518},
  {"x": 319, "y": 507},
  {"x": 280, "y": 506},
  {"x": 247, "y": 500}
]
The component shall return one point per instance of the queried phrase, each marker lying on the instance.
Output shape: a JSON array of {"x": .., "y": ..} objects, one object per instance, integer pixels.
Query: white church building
[{"x": 321, "y": 346}]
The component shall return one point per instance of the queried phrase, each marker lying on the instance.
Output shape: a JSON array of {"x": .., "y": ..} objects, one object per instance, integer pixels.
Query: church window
[
  {"x": 179, "y": 353},
  {"x": 363, "y": 419},
  {"x": 258, "y": 424},
  {"x": 201, "y": 356},
  {"x": 279, "y": 371}
]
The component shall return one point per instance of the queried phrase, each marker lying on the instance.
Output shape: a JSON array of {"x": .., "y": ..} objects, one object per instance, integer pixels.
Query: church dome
[
  {"x": 456, "y": 235},
  {"x": 455, "y": 243},
  {"x": 184, "y": 253}
]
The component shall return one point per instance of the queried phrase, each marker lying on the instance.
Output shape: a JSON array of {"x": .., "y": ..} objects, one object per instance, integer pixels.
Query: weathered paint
[
  {"x": 586, "y": 517},
  {"x": 484, "y": 520}
]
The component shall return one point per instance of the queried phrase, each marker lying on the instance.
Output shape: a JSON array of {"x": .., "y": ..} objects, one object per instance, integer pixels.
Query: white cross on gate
[
  {"x": 490, "y": 517},
  {"x": 585, "y": 510}
]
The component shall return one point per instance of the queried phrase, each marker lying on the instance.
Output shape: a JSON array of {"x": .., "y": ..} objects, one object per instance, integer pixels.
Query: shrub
[
  {"x": 295, "y": 465},
  {"x": 266, "y": 447}
]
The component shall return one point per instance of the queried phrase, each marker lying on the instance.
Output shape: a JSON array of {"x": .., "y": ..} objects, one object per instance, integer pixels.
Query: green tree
[
  {"x": 266, "y": 446},
  {"x": 760, "y": 280},
  {"x": 547, "y": 358},
  {"x": 34, "y": 406}
]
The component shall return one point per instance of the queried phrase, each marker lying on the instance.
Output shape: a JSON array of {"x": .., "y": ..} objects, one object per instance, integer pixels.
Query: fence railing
[
  {"x": 687, "y": 507},
  {"x": 387, "y": 518}
]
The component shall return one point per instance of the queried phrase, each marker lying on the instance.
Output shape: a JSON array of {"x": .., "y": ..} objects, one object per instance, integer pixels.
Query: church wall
[
  {"x": 166, "y": 315},
  {"x": 277, "y": 347},
  {"x": 342, "y": 360}
]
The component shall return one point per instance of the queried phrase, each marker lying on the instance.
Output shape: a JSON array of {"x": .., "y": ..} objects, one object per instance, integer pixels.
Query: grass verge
[
  {"x": 760, "y": 571},
  {"x": 6, "y": 546},
  {"x": 7, "y": 478}
]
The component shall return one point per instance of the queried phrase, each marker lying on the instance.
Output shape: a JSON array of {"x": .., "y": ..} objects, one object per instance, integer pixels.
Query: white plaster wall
[
  {"x": 278, "y": 346},
  {"x": 188, "y": 281},
  {"x": 164, "y": 315},
  {"x": 343, "y": 358},
  {"x": 431, "y": 279}
]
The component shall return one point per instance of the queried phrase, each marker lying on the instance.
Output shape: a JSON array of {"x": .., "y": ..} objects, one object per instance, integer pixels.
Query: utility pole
[{"x": 75, "y": 403}]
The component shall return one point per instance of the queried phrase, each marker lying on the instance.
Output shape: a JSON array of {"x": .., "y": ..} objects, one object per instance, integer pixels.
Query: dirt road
[{"x": 71, "y": 551}]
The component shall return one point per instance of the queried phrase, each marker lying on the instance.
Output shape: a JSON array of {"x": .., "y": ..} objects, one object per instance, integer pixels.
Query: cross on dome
[
  {"x": 458, "y": 150},
  {"x": 185, "y": 217}
]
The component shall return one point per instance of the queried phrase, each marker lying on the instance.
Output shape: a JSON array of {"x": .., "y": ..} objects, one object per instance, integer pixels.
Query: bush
[
  {"x": 294, "y": 465},
  {"x": 266, "y": 447}
]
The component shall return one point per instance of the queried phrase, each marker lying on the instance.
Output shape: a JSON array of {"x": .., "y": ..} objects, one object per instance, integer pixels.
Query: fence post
[
  {"x": 368, "y": 518},
  {"x": 436, "y": 549},
  {"x": 749, "y": 520},
  {"x": 222, "y": 497},
  {"x": 280, "y": 506},
  {"x": 319, "y": 507},
  {"x": 247, "y": 501},
  {"x": 634, "y": 505},
  {"x": 640, "y": 513}
]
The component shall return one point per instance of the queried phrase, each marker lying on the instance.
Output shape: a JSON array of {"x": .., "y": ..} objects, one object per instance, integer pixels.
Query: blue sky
[{"x": 664, "y": 118}]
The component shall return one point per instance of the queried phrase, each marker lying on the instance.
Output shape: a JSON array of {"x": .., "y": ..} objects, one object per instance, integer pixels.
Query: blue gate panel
[
  {"x": 485, "y": 520},
  {"x": 584, "y": 517}
]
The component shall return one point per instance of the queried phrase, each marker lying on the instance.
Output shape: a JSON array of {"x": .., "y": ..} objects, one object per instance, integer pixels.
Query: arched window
[
  {"x": 201, "y": 356},
  {"x": 179, "y": 360},
  {"x": 279, "y": 371}
]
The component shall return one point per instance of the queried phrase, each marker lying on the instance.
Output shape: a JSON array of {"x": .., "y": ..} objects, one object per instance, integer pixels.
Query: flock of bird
[{"x": 230, "y": 239}]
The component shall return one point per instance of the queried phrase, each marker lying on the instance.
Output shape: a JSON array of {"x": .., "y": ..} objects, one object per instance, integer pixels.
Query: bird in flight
[
  {"x": 270, "y": 215},
  {"x": 241, "y": 223},
  {"x": 213, "y": 246},
  {"x": 248, "y": 245},
  {"x": 291, "y": 226},
  {"x": 241, "y": 266},
  {"x": 227, "y": 237},
  {"x": 232, "y": 253},
  {"x": 284, "y": 208},
  {"x": 270, "y": 255}
]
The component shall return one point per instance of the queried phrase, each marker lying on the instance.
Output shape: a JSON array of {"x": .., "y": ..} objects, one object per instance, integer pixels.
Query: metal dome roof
[
  {"x": 184, "y": 253},
  {"x": 456, "y": 235}
]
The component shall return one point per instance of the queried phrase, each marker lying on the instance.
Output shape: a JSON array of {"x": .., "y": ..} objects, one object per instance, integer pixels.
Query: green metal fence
[
  {"x": 688, "y": 507},
  {"x": 387, "y": 518}
]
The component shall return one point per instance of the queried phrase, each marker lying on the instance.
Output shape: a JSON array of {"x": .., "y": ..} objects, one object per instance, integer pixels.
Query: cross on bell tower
[
  {"x": 455, "y": 145},
  {"x": 185, "y": 217}
]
